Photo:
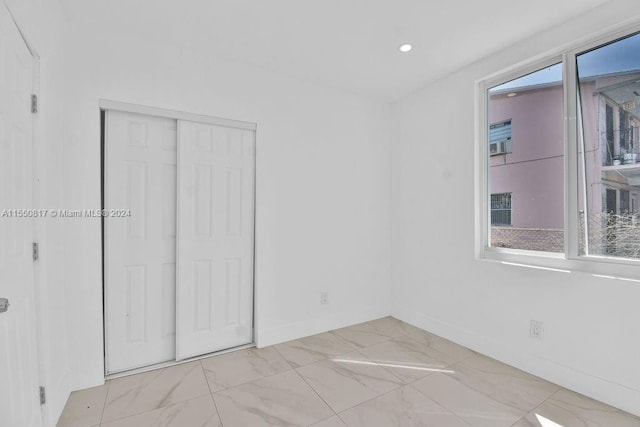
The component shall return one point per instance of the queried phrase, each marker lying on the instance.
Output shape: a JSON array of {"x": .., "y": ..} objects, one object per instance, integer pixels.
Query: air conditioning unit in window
[{"x": 499, "y": 147}]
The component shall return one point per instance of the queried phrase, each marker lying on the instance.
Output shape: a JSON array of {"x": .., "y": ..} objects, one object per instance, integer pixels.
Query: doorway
[{"x": 178, "y": 235}]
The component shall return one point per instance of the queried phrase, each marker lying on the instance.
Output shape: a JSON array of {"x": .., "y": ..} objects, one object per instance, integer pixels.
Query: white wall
[
  {"x": 591, "y": 341},
  {"x": 324, "y": 212},
  {"x": 323, "y": 218},
  {"x": 40, "y": 21}
]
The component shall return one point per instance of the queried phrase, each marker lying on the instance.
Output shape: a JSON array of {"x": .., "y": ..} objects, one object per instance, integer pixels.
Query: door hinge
[
  {"x": 36, "y": 251},
  {"x": 34, "y": 103},
  {"x": 43, "y": 396}
]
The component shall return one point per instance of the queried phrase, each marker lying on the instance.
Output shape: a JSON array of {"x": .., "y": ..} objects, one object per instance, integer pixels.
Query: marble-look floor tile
[
  {"x": 238, "y": 367},
  {"x": 200, "y": 412},
  {"x": 585, "y": 408},
  {"x": 550, "y": 415},
  {"x": 373, "y": 332},
  {"x": 330, "y": 422},
  {"x": 155, "y": 389},
  {"x": 408, "y": 328},
  {"x": 449, "y": 385},
  {"x": 503, "y": 383},
  {"x": 406, "y": 358},
  {"x": 345, "y": 381},
  {"x": 394, "y": 327},
  {"x": 473, "y": 406},
  {"x": 84, "y": 408},
  {"x": 279, "y": 400},
  {"x": 403, "y": 407},
  {"x": 448, "y": 351},
  {"x": 305, "y": 351}
]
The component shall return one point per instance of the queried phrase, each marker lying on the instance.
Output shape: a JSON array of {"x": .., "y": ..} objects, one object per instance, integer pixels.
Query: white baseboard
[
  {"x": 611, "y": 393},
  {"x": 269, "y": 336}
]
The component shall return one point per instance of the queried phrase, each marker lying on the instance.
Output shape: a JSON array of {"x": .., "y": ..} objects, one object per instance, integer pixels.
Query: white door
[
  {"x": 140, "y": 249},
  {"x": 215, "y": 238},
  {"x": 19, "y": 398}
]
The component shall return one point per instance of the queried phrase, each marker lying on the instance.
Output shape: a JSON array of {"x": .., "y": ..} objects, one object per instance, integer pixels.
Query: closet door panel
[
  {"x": 216, "y": 166},
  {"x": 140, "y": 249}
]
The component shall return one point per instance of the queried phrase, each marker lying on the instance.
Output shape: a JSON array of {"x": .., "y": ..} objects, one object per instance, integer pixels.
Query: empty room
[{"x": 354, "y": 213}]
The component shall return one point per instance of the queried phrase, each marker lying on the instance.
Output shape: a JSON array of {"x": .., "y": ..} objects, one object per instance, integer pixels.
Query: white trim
[
  {"x": 569, "y": 377},
  {"x": 39, "y": 232},
  {"x": 106, "y": 104},
  {"x": 30, "y": 47},
  {"x": 103, "y": 240},
  {"x": 174, "y": 362},
  {"x": 570, "y": 260},
  {"x": 320, "y": 324},
  {"x": 523, "y": 70},
  {"x": 570, "y": 174},
  {"x": 483, "y": 219}
]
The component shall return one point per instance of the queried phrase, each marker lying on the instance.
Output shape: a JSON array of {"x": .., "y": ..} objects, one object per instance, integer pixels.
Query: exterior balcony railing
[{"x": 622, "y": 147}]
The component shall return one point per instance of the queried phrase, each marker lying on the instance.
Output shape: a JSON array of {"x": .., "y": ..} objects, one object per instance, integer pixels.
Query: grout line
[
  {"x": 205, "y": 377},
  {"x": 106, "y": 396},
  {"x": 450, "y": 410},
  {"x": 386, "y": 369},
  {"x": 314, "y": 390},
  {"x": 251, "y": 381},
  {"x": 215, "y": 405},
  {"x": 537, "y": 406},
  {"x": 282, "y": 355},
  {"x": 522, "y": 418},
  {"x": 159, "y": 372},
  {"x": 120, "y": 419}
]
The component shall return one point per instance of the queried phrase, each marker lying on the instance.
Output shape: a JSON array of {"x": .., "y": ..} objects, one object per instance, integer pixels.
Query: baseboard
[
  {"x": 291, "y": 331},
  {"x": 611, "y": 393}
]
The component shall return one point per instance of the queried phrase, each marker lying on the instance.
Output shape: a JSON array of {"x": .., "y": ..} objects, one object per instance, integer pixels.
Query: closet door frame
[{"x": 104, "y": 105}]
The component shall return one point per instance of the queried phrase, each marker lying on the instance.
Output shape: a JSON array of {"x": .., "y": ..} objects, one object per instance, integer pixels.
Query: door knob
[{"x": 4, "y": 305}]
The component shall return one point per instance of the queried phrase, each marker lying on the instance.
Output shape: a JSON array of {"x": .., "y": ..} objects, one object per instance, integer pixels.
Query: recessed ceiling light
[
  {"x": 511, "y": 94},
  {"x": 405, "y": 48}
]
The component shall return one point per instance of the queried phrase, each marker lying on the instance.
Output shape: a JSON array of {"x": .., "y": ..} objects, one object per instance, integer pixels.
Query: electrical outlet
[
  {"x": 536, "y": 329},
  {"x": 324, "y": 298}
]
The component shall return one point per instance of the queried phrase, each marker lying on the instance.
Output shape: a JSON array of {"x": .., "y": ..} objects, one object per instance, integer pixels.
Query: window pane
[
  {"x": 526, "y": 162},
  {"x": 609, "y": 89}
]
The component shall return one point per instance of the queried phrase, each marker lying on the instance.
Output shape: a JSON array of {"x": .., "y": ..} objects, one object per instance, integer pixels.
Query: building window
[
  {"x": 501, "y": 209},
  {"x": 534, "y": 170},
  {"x": 500, "y": 138}
]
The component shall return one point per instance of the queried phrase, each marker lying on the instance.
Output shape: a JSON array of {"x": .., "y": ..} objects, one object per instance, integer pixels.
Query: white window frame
[{"x": 568, "y": 261}]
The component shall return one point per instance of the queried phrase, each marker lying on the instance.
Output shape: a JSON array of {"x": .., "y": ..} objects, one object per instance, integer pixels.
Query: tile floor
[{"x": 380, "y": 373}]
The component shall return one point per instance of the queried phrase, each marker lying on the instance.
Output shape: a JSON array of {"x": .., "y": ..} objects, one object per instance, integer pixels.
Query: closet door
[
  {"x": 140, "y": 249},
  {"x": 215, "y": 238}
]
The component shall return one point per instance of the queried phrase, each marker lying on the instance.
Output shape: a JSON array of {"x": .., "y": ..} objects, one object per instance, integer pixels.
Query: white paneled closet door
[
  {"x": 215, "y": 238},
  {"x": 140, "y": 250}
]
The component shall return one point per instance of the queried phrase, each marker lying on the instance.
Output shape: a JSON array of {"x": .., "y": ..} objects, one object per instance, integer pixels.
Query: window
[
  {"x": 501, "y": 209},
  {"x": 533, "y": 170},
  {"x": 609, "y": 87},
  {"x": 562, "y": 192}
]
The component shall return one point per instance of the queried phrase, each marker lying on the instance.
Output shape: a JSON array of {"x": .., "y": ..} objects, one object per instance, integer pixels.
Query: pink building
[{"x": 526, "y": 139}]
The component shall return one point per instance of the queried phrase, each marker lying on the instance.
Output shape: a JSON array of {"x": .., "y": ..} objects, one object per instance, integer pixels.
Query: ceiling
[{"x": 346, "y": 44}]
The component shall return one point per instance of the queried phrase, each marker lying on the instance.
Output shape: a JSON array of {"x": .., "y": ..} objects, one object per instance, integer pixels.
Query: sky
[{"x": 619, "y": 56}]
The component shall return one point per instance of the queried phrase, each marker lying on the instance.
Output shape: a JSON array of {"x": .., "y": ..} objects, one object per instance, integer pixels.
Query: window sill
[{"x": 605, "y": 267}]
